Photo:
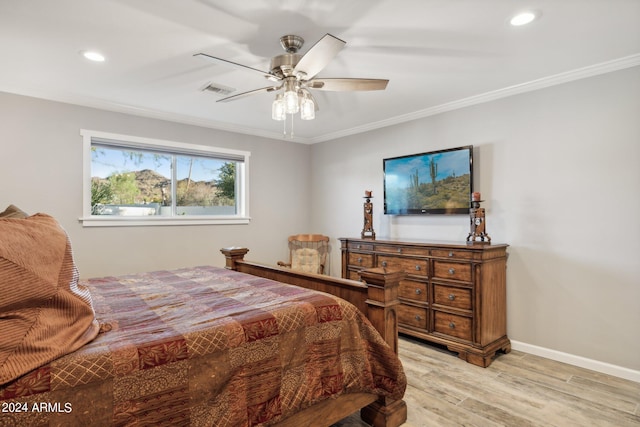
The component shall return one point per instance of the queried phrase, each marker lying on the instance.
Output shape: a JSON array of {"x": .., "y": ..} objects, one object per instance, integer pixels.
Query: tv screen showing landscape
[{"x": 437, "y": 182}]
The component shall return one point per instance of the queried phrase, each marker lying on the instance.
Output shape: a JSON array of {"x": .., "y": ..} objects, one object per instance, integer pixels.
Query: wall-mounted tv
[{"x": 437, "y": 182}]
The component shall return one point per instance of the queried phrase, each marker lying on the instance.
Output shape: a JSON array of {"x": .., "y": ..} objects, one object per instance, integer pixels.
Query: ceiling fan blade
[
  {"x": 235, "y": 64},
  {"x": 318, "y": 56},
  {"x": 249, "y": 93},
  {"x": 347, "y": 84}
]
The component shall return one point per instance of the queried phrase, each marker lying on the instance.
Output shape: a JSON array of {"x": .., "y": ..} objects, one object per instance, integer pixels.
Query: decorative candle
[
  {"x": 475, "y": 197},
  {"x": 367, "y": 193}
]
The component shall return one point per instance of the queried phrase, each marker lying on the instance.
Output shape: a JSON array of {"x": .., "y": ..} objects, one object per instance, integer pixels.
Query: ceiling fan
[{"x": 295, "y": 74}]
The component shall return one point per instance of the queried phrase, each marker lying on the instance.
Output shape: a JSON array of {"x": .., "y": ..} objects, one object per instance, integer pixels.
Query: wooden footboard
[{"x": 377, "y": 297}]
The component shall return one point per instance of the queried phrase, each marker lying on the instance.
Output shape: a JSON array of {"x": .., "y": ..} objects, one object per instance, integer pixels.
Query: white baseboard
[{"x": 582, "y": 362}]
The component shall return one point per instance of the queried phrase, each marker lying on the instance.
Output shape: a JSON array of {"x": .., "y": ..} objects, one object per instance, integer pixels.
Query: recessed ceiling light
[
  {"x": 93, "y": 55},
  {"x": 522, "y": 19}
]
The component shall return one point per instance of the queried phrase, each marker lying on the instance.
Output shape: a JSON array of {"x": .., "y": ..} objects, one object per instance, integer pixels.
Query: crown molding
[{"x": 556, "y": 79}]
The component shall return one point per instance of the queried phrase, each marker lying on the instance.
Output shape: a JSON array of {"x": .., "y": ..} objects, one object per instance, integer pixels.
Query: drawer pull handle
[
  {"x": 384, "y": 263},
  {"x": 452, "y": 270},
  {"x": 417, "y": 268},
  {"x": 418, "y": 291},
  {"x": 358, "y": 246},
  {"x": 399, "y": 250},
  {"x": 452, "y": 325},
  {"x": 418, "y": 317},
  {"x": 360, "y": 260},
  {"x": 452, "y": 297},
  {"x": 450, "y": 253}
]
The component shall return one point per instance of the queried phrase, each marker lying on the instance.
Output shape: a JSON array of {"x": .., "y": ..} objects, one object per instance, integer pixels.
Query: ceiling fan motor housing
[{"x": 283, "y": 65}]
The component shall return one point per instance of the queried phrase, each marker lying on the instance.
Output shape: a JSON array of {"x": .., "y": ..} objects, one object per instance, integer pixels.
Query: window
[{"x": 139, "y": 181}]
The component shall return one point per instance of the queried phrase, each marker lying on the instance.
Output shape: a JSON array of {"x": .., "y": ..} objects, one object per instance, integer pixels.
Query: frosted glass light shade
[
  {"x": 308, "y": 109},
  {"x": 291, "y": 102},
  {"x": 278, "y": 109}
]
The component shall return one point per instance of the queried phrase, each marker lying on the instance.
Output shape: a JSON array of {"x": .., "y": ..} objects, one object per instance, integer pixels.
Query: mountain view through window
[{"x": 135, "y": 182}]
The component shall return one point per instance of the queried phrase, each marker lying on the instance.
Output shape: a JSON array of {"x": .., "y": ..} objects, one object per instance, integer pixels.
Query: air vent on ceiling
[{"x": 219, "y": 89}]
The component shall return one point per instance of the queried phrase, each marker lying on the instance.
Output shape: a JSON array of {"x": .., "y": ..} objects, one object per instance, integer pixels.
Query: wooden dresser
[{"x": 454, "y": 293}]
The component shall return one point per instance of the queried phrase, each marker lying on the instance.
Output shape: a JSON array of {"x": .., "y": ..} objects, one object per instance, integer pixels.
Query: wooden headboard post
[
  {"x": 382, "y": 291},
  {"x": 382, "y": 287},
  {"x": 232, "y": 255}
]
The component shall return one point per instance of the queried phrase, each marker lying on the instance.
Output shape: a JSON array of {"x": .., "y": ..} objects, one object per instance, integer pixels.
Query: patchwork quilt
[{"x": 205, "y": 346}]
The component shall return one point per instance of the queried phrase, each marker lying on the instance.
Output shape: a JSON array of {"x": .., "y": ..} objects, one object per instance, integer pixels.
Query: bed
[{"x": 234, "y": 346}]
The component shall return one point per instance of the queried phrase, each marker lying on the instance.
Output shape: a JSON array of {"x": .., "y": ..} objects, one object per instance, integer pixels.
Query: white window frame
[{"x": 171, "y": 147}]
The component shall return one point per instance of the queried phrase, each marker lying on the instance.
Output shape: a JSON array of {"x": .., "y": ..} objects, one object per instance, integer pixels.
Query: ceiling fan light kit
[
  {"x": 291, "y": 102},
  {"x": 296, "y": 75}
]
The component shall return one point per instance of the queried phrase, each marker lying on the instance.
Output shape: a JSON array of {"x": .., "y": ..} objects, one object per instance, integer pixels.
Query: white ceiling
[{"x": 437, "y": 54}]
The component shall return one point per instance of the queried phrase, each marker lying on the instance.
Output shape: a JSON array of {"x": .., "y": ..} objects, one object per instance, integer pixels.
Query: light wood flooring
[{"x": 517, "y": 389}]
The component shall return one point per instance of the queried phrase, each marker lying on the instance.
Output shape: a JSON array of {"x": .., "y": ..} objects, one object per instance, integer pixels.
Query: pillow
[
  {"x": 44, "y": 312},
  {"x": 13, "y": 212}
]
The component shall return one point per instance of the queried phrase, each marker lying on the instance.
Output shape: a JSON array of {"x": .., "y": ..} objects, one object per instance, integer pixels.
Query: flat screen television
[{"x": 436, "y": 182}]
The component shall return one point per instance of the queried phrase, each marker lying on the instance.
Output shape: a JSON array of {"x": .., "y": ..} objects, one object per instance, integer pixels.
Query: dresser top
[{"x": 425, "y": 242}]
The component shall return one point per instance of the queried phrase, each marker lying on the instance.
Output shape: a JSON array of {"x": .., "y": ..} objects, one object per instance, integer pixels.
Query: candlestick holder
[
  {"x": 477, "y": 221},
  {"x": 367, "y": 230}
]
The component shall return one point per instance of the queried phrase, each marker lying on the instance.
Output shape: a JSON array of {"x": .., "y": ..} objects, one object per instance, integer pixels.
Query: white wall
[
  {"x": 559, "y": 169},
  {"x": 41, "y": 171}
]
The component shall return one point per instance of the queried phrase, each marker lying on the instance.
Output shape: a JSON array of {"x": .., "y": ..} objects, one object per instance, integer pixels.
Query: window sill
[{"x": 115, "y": 221}]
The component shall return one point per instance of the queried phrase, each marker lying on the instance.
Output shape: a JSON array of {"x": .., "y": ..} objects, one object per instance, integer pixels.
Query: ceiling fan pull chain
[{"x": 291, "y": 136}]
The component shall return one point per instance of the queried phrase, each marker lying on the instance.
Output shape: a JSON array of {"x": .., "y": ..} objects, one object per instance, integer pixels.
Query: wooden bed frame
[{"x": 377, "y": 297}]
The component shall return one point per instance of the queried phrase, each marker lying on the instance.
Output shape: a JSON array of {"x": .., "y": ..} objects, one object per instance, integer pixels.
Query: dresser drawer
[
  {"x": 453, "y": 325},
  {"x": 418, "y": 267},
  {"x": 452, "y": 254},
  {"x": 413, "y": 290},
  {"x": 353, "y": 275},
  {"x": 361, "y": 260},
  {"x": 452, "y": 297},
  {"x": 452, "y": 270},
  {"x": 360, "y": 246},
  {"x": 412, "y": 316},
  {"x": 404, "y": 250}
]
